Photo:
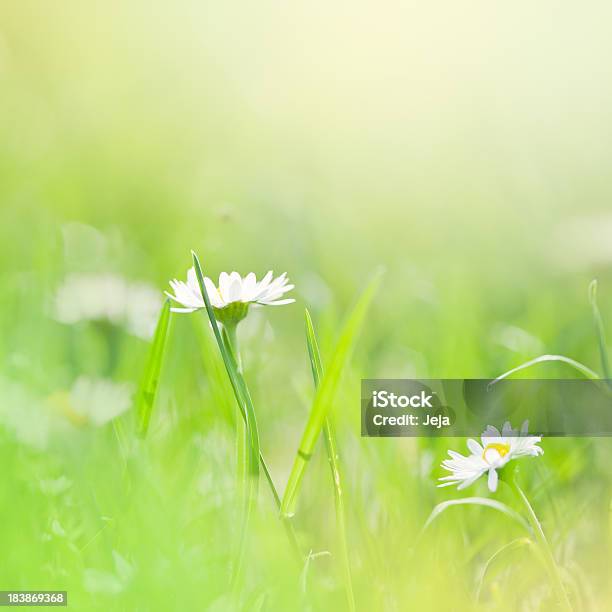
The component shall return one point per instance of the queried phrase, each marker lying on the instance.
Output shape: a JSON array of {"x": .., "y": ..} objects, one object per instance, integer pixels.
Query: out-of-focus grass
[{"x": 467, "y": 155}]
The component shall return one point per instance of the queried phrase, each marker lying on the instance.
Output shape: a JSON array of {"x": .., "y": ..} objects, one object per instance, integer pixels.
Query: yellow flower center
[{"x": 501, "y": 448}]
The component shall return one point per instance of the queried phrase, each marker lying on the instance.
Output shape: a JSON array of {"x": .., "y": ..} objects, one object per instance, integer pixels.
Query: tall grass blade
[
  {"x": 332, "y": 456},
  {"x": 251, "y": 468},
  {"x": 245, "y": 405},
  {"x": 150, "y": 379},
  {"x": 601, "y": 333},
  {"x": 324, "y": 397},
  {"x": 238, "y": 385}
]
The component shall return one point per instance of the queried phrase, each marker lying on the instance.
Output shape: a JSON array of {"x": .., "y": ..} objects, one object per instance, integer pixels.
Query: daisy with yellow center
[
  {"x": 496, "y": 450},
  {"x": 233, "y": 295}
]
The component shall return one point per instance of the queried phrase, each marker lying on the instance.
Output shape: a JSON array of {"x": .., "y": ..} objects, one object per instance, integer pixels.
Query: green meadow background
[{"x": 464, "y": 149}]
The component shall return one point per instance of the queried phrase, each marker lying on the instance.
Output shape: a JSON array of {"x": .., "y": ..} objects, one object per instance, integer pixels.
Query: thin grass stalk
[
  {"x": 501, "y": 553},
  {"x": 331, "y": 448},
  {"x": 600, "y": 329},
  {"x": 545, "y": 549}
]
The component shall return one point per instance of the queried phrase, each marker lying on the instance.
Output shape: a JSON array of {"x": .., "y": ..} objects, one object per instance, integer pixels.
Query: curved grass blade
[
  {"x": 332, "y": 456},
  {"x": 325, "y": 396},
  {"x": 475, "y": 501},
  {"x": 601, "y": 333},
  {"x": 580, "y": 367},
  {"x": 506, "y": 548},
  {"x": 150, "y": 380}
]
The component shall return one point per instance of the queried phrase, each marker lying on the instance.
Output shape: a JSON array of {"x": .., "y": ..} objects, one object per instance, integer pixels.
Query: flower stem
[
  {"x": 230, "y": 337},
  {"x": 243, "y": 440},
  {"x": 545, "y": 549}
]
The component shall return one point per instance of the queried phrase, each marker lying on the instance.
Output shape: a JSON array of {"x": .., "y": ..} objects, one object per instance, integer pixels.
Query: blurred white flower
[
  {"x": 24, "y": 415},
  {"x": 496, "y": 451},
  {"x": 97, "y": 400},
  {"x": 108, "y": 297},
  {"x": 231, "y": 299}
]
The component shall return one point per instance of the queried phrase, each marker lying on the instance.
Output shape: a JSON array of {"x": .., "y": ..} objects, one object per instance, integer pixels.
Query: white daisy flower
[
  {"x": 496, "y": 451},
  {"x": 233, "y": 296},
  {"x": 111, "y": 298},
  {"x": 97, "y": 401},
  {"x": 23, "y": 415}
]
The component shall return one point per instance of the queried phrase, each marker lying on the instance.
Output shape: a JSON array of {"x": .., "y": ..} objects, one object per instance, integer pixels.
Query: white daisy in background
[
  {"x": 496, "y": 451},
  {"x": 233, "y": 296},
  {"x": 23, "y": 415},
  {"x": 95, "y": 401},
  {"x": 110, "y": 298}
]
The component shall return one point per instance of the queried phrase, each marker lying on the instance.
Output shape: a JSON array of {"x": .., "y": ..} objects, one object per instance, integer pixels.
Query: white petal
[
  {"x": 192, "y": 279},
  {"x": 469, "y": 481},
  {"x": 234, "y": 290},
  {"x": 249, "y": 285},
  {"x": 213, "y": 294},
  {"x": 474, "y": 447},
  {"x": 492, "y": 480},
  {"x": 278, "y": 302},
  {"x": 224, "y": 280},
  {"x": 262, "y": 286}
]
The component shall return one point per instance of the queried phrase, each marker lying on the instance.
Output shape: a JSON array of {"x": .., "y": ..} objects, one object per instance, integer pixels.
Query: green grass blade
[
  {"x": 547, "y": 553},
  {"x": 580, "y": 367},
  {"x": 599, "y": 327},
  {"x": 150, "y": 380},
  {"x": 332, "y": 456},
  {"x": 236, "y": 380},
  {"x": 501, "y": 553},
  {"x": 252, "y": 452},
  {"x": 325, "y": 396},
  {"x": 313, "y": 351}
]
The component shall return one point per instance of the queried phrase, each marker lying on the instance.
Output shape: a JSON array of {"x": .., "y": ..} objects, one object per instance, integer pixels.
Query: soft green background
[{"x": 464, "y": 148}]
